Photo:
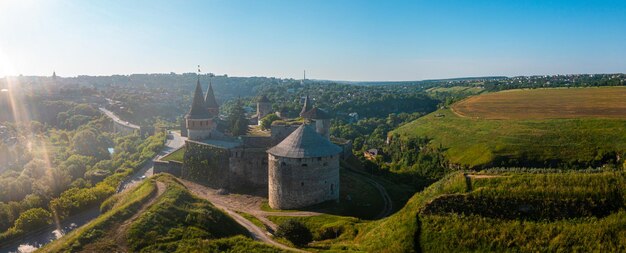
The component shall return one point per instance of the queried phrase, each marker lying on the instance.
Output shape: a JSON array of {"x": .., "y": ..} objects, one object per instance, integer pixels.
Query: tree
[
  {"x": 295, "y": 232},
  {"x": 87, "y": 143},
  {"x": 266, "y": 122},
  {"x": 33, "y": 219},
  {"x": 237, "y": 119}
]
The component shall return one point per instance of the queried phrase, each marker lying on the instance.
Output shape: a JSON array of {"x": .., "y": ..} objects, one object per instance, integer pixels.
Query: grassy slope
[
  {"x": 476, "y": 143},
  {"x": 410, "y": 231},
  {"x": 128, "y": 203},
  {"x": 177, "y": 155},
  {"x": 176, "y": 222}
]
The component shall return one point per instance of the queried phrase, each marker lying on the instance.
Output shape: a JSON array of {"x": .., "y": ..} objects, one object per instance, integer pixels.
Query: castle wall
[
  {"x": 295, "y": 183},
  {"x": 239, "y": 168},
  {"x": 280, "y": 132},
  {"x": 172, "y": 167},
  {"x": 248, "y": 168},
  {"x": 206, "y": 164}
]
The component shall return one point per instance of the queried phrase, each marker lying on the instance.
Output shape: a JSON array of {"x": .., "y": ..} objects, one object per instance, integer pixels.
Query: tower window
[
  {"x": 304, "y": 165},
  {"x": 332, "y": 188},
  {"x": 301, "y": 183}
]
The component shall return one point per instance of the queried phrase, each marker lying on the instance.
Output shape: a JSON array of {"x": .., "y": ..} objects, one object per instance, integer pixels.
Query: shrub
[
  {"x": 33, "y": 219},
  {"x": 295, "y": 232}
]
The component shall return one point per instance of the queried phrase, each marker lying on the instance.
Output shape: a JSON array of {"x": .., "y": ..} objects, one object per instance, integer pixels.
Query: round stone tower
[
  {"x": 303, "y": 170},
  {"x": 199, "y": 122},
  {"x": 263, "y": 108}
]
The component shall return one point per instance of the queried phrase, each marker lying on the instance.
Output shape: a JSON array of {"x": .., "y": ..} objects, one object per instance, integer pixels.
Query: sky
[{"x": 332, "y": 40}]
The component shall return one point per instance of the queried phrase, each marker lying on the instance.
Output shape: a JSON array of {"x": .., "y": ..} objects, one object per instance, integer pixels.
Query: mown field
[
  {"x": 477, "y": 142},
  {"x": 601, "y": 102}
]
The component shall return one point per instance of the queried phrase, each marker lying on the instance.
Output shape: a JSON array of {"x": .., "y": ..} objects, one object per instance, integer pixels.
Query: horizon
[
  {"x": 350, "y": 41},
  {"x": 314, "y": 79}
]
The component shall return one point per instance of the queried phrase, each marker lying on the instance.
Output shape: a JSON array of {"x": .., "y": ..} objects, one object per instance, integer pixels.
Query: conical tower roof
[
  {"x": 315, "y": 113},
  {"x": 209, "y": 99},
  {"x": 304, "y": 142},
  {"x": 307, "y": 105},
  {"x": 198, "y": 107},
  {"x": 263, "y": 99}
]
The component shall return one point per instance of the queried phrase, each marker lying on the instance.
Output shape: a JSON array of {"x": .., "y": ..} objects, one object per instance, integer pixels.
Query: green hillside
[
  {"x": 534, "y": 143},
  {"x": 160, "y": 215},
  {"x": 431, "y": 220}
]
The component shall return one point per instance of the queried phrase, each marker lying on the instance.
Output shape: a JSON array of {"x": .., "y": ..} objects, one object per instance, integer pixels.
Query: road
[
  {"x": 114, "y": 117},
  {"x": 174, "y": 142}
]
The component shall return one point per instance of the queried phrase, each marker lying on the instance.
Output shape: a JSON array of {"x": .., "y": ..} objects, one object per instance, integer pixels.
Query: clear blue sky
[{"x": 338, "y": 40}]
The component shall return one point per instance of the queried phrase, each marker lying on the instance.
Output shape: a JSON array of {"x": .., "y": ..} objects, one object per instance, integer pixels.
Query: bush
[
  {"x": 266, "y": 122},
  {"x": 33, "y": 219},
  {"x": 295, "y": 232}
]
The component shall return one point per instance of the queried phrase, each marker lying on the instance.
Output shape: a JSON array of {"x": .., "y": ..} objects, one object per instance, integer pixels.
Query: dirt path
[
  {"x": 120, "y": 232},
  {"x": 233, "y": 203}
]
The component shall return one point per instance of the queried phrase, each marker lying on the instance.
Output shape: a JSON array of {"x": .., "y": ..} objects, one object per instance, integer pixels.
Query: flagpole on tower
[{"x": 198, "y": 73}]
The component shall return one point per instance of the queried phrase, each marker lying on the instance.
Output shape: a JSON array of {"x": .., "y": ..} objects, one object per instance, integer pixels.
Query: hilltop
[{"x": 535, "y": 128}]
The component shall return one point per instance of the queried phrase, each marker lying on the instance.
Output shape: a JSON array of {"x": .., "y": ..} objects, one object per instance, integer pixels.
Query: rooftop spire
[
  {"x": 306, "y": 107},
  {"x": 198, "y": 107},
  {"x": 209, "y": 99}
]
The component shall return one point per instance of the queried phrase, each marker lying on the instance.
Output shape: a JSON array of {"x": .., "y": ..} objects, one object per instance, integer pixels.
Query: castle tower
[
  {"x": 263, "y": 108},
  {"x": 198, "y": 121},
  {"x": 306, "y": 107},
  {"x": 321, "y": 119},
  {"x": 303, "y": 170},
  {"x": 211, "y": 104}
]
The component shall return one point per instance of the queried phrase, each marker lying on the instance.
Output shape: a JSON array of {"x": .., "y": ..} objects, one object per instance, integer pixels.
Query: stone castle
[{"x": 294, "y": 162}]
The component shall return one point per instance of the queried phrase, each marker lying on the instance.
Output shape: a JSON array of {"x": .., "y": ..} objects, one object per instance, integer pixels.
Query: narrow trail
[
  {"x": 120, "y": 231},
  {"x": 247, "y": 204}
]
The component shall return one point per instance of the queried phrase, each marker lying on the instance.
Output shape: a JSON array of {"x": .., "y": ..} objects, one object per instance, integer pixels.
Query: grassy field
[
  {"x": 478, "y": 143},
  {"x": 602, "y": 102},
  {"x": 456, "y": 90}
]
